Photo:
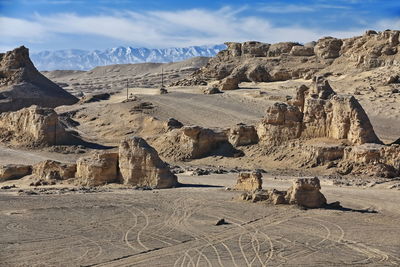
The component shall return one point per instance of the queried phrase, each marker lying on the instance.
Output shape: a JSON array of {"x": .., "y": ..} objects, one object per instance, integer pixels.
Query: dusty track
[{"x": 176, "y": 227}]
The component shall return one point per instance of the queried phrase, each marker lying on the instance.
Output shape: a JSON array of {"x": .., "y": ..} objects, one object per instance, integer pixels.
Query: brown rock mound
[
  {"x": 99, "y": 168},
  {"x": 305, "y": 192},
  {"x": 14, "y": 171},
  {"x": 33, "y": 126},
  {"x": 22, "y": 85},
  {"x": 140, "y": 165},
  {"x": 54, "y": 170},
  {"x": 249, "y": 181},
  {"x": 190, "y": 142}
]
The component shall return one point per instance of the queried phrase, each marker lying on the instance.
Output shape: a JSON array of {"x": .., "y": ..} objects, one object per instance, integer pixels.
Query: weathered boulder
[
  {"x": 140, "y": 165},
  {"x": 173, "y": 124},
  {"x": 229, "y": 83},
  {"x": 328, "y": 47},
  {"x": 163, "y": 91},
  {"x": 303, "y": 51},
  {"x": 54, "y": 170},
  {"x": 254, "y": 49},
  {"x": 14, "y": 171},
  {"x": 33, "y": 126},
  {"x": 277, "y": 197},
  {"x": 306, "y": 192},
  {"x": 211, "y": 90},
  {"x": 243, "y": 135},
  {"x": 281, "y": 48},
  {"x": 22, "y": 85},
  {"x": 98, "y": 168},
  {"x": 190, "y": 142},
  {"x": 249, "y": 181}
]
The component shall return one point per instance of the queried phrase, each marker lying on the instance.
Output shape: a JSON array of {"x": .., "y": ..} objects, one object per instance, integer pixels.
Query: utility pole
[
  {"x": 162, "y": 77},
  {"x": 127, "y": 84}
]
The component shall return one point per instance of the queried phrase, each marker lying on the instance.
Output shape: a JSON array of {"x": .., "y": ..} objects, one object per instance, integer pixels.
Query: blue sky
[{"x": 88, "y": 24}]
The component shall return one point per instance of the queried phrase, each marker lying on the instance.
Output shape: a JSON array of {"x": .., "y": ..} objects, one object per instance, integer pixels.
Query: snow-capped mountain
[{"x": 74, "y": 59}]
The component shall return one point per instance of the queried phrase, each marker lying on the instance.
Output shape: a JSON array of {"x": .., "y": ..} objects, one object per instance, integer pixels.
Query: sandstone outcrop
[
  {"x": 33, "y": 126},
  {"x": 22, "y": 85},
  {"x": 54, "y": 170},
  {"x": 306, "y": 192},
  {"x": 190, "y": 142},
  {"x": 140, "y": 165},
  {"x": 317, "y": 112},
  {"x": 249, "y": 181},
  {"x": 14, "y": 171},
  {"x": 372, "y": 159},
  {"x": 99, "y": 168},
  {"x": 261, "y": 62},
  {"x": 242, "y": 135},
  {"x": 282, "y": 122}
]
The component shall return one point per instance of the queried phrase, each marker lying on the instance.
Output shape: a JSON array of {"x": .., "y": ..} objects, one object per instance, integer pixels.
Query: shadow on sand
[
  {"x": 338, "y": 207},
  {"x": 199, "y": 186}
]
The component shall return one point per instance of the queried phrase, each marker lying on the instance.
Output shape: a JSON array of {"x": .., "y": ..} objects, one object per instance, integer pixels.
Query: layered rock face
[
  {"x": 315, "y": 113},
  {"x": 14, "y": 171},
  {"x": 33, "y": 126},
  {"x": 261, "y": 62},
  {"x": 21, "y": 85},
  {"x": 249, "y": 181},
  {"x": 372, "y": 159},
  {"x": 98, "y": 168},
  {"x": 140, "y": 165}
]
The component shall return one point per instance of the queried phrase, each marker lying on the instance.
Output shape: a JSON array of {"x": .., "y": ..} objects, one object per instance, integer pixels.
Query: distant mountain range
[{"x": 75, "y": 59}]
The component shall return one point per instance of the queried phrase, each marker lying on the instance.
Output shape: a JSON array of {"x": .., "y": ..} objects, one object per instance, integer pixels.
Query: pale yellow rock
[
  {"x": 249, "y": 181},
  {"x": 229, "y": 83},
  {"x": 33, "y": 126},
  {"x": 98, "y": 168},
  {"x": 54, "y": 170},
  {"x": 306, "y": 192},
  {"x": 140, "y": 165}
]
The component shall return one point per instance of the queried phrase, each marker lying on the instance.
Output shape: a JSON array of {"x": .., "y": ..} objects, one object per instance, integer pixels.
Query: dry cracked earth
[{"x": 177, "y": 227}]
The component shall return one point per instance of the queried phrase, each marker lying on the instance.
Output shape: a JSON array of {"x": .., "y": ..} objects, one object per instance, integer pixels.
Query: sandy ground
[{"x": 176, "y": 227}]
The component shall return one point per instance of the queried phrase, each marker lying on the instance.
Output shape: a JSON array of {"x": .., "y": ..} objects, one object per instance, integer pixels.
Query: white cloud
[
  {"x": 158, "y": 28},
  {"x": 292, "y": 8},
  {"x": 15, "y": 28}
]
